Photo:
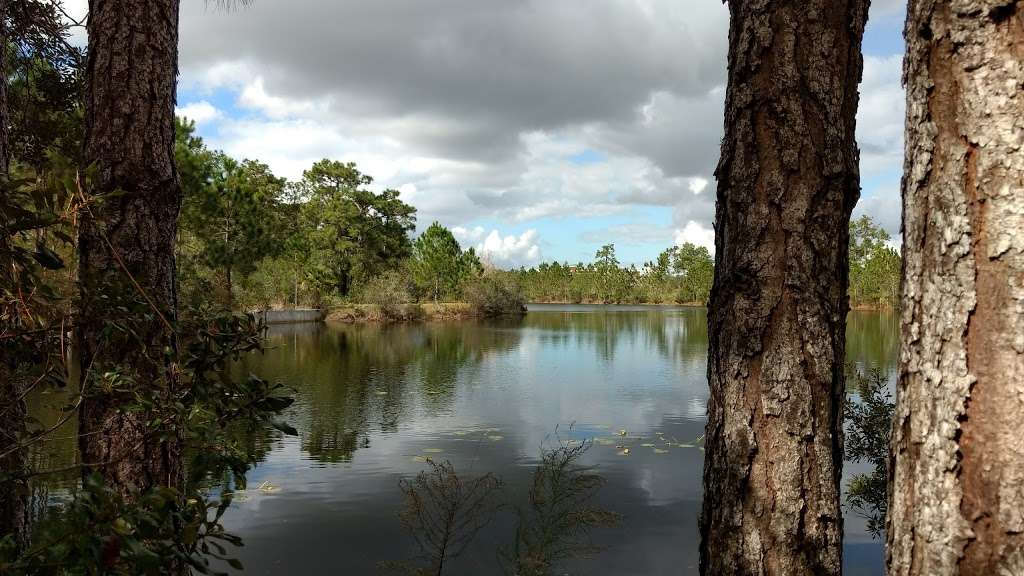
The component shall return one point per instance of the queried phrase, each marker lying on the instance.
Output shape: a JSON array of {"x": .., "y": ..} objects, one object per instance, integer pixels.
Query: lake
[{"x": 374, "y": 402}]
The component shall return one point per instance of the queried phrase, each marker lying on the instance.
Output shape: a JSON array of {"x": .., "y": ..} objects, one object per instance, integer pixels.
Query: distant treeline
[
  {"x": 681, "y": 274},
  {"x": 684, "y": 275}
]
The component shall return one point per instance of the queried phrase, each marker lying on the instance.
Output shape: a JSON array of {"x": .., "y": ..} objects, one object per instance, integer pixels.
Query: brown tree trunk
[
  {"x": 956, "y": 486},
  {"x": 788, "y": 179},
  {"x": 128, "y": 238}
]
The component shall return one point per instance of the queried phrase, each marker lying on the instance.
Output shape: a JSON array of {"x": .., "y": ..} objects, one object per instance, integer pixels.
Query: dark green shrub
[
  {"x": 494, "y": 295},
  {"x": 390, "y": 294}
]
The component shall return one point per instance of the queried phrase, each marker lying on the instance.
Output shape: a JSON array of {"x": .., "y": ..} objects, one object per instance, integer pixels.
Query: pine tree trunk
[
  {"x": 131, "y": 74},
  {"x": 788, "y": 179},
  {"x": 956, "y": 486}
]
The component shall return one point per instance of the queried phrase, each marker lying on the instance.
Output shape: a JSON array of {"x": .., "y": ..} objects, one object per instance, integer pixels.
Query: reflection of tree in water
[
  {"x": 868, "y": 425},
  {"x": 352, "y": 378},
  {"x": 677, "y": 334},
  {"x": 443, "y": 512},
  {"x": 255, "y": 442},
  {"x": 872, "y": 340}
]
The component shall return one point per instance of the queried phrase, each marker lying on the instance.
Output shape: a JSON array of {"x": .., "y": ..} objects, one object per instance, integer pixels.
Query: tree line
[{"x": 683, "y": 274}]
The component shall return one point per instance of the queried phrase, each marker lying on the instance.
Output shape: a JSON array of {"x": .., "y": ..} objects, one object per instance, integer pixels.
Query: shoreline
[
  {"x": 407, "y": 313},
  {"x": 458, "y": 311}
]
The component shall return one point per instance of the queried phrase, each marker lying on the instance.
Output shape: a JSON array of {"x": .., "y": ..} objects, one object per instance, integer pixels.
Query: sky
[{"x": 534, "y": 129}]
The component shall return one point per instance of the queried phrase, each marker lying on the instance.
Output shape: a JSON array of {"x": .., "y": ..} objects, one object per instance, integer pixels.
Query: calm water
[{"x": 374, "y": 401}]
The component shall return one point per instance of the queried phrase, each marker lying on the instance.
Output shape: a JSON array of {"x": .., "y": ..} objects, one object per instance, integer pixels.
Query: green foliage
[
  {"x": 350, "y": 232},
  {"x": 494, "y": 294},
  {"x": 391, "y": 295},
  {"x": 694, "y": 268},
  {"x": 154, "y": 531},
  {"x": 45, "y": 84},
  {"x": 868, "y": 425},
  {"x": 246, "y": 232},
  {"x": 100, "y": 532},
  {"x": 277, "y": 282},
  {"x": 439, "y": 265},
  {"x": 874, "y": 266},
  {"x": 230, "y": 209}
]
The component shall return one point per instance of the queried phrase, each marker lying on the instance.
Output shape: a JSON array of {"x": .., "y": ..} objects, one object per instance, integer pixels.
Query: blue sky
[{"x": 535, "y": 130}]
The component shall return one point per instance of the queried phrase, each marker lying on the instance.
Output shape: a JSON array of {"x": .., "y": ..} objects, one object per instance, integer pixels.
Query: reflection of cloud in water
[{"x": 697, "y": 408}]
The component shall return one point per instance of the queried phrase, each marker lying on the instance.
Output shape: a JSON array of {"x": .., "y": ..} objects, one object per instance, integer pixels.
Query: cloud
[
  {"x": 483, "y": 109},
  {"x": 509, "y": 251},
  {"x": 200, "y": 112},
  {"x": 880, "y": 115},
  {"x": 631, "y": 234},
  {"x": 885, "y": 207},
  {"x": 696, "y": 233},
  {"x": 477, "y": 105}
]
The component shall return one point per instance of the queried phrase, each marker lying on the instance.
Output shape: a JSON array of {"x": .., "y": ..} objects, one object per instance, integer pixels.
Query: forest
[{"x": 131, "y": 252}]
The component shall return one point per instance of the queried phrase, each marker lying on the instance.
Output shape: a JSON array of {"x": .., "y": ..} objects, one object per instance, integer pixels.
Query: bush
[
  {"x": 494, "y": 295},
  {"x": 390, "y": 293}
]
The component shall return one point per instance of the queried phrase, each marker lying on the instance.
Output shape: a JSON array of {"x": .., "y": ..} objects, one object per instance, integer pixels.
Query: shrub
[
  {"x": 494, "y": 295},
  {"x": 390, "y": 294}
]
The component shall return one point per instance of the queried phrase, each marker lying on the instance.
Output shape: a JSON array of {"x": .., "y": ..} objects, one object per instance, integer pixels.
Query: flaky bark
[
  {"x": 956, "y": 492},
  {"x": 131, "y": 75},
  {"x": 787, "y": 181}
]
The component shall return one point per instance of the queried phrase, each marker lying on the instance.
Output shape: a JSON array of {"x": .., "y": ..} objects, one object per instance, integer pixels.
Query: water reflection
[{"x": 375, "y": 402}]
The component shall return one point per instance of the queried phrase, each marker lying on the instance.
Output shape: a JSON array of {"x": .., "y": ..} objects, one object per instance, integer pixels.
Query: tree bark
[
  {"x": 128, "y": 238},
  {"x": 788, "y": 179},
  {"x": 956, "y": 485}
]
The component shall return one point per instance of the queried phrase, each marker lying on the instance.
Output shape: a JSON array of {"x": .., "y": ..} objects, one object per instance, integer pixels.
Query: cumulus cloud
[
  {"x": 466, "y": 99},
  {"x": 885, "y": 207},
  {"x": 696, "y": 233},
  {"x": 477, "y": 108},
  {"x": 509, "y": 251},
  {"x": 199, "y": 112},
  {"x": 880, "y": 115}
]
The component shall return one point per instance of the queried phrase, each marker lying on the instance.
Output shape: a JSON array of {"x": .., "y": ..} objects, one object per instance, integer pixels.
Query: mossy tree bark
[
  {"x": 126, "y": 240},
  {"x": 788, "y": 179},
  {"x": 956, "y": 486}
]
